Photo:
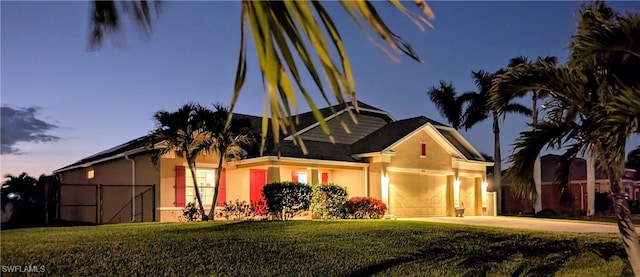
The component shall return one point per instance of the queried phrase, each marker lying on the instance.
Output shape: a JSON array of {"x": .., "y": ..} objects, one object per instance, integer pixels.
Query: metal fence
[{"x": 104, "y": 204}]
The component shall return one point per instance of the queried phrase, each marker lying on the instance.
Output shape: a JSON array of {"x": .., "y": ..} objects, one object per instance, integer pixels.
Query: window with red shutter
[
  {"x": 325, "y": 177},
  {"x": 423, "y": 149}
]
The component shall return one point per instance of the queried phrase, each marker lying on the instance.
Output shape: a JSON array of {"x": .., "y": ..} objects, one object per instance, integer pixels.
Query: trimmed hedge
[
  {"x": 365, "y": 207},
  {"x": 286, "y": 199},
  {"x": 328, "y": 201}
]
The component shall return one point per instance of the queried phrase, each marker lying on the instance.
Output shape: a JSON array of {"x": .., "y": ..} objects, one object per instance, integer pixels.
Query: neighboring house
[
  {"x": 550, "y": 193},
  {"x": 417, "y": 166}
]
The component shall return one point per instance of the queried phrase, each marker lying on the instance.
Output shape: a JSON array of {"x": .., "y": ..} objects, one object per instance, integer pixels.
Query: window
[
  {"x": 90, "y": 174},
  {"x": 423, "y": 149},
  {"x": 206, "y": 179},
  {"x": 299, "y": 176}
]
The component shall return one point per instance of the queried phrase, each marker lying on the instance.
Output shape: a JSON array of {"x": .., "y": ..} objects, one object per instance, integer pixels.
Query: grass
[{"x": 311, "y": 248}]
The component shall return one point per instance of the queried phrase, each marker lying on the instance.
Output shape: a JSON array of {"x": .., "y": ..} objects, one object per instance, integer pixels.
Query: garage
[
  {"x": 417, "y": 194},
  {"x": 467, "y": 195}
]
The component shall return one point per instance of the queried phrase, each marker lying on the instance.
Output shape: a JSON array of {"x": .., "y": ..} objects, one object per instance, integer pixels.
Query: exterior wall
[
  {"x": 115, "y": 172},
  {"x": 351, "y": 179},
  {"x": 551, "y": 197},
  {"x": 375, "y": 180},
  {"x": 408, "y": 154},
  {"x": 166, "y": 191},
  {"x": 366, "y": 125},
  {"x": 238, "y": 184},
  {"x": 417, "y": 194},
  {"x": 80, "y": 199}
]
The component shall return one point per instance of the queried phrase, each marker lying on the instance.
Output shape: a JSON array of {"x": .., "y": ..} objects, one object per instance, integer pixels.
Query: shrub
[
  {"x": 547, "y": 213},
  {"x": 259, "y": 208},
  {"x": 328, "y": 200},
  {"x": 241, "y": 210},
  {"x": 365, "y": 207},
  {"x": 602, "y": 202},
  {"x": 190, "y": 212},
  {"x": 286, "y": 199}
]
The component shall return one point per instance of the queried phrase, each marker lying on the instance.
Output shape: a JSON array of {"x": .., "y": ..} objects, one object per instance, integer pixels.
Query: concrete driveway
[{"x": 540, "y": 224}]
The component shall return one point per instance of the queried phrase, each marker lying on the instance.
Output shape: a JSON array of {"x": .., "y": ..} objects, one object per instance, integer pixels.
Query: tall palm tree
[
  {"x": 470, "y": 108},
  {"x": 182, "y": 133},
  {"x": 479, "y": 110},
  {"x": 537, "y": 95},
  {"x": 282, "y": 33},
  {"x": 448, "y": 102},
  {"x": 594, "y": 105},
  {"x": 226, "y": 140}
]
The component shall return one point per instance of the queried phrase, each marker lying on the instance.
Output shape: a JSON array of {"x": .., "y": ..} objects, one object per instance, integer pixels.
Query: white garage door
[{"x": 417, "y": 195}]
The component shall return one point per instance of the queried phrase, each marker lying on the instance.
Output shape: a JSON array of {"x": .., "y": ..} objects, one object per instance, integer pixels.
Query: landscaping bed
[{"x": 311, "y": 248}]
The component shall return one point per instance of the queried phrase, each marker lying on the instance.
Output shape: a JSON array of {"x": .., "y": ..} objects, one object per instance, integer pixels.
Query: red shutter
[
  {"x": 325, "y": 177},
  {"x": 257, "y": 180},
  {"x": 423, "y": 149},
  {"x": 180, "y": 186},
  {"x": 294, "y": 176},
  {"x": 222, "y": 189}
]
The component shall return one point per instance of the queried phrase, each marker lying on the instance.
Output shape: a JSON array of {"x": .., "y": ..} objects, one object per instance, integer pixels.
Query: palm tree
[
  {"x": 594, "y": 105},
  {"x": 537, "y": 95},
  {"x": 448, "y": 102},
  {"x": 226, "y": 140},
  {"x": 479, "y": 110},
  {"x": 182, "y": 133},
  {"x": 470, "y": 108},
  {"x": 282, "y": 32}
]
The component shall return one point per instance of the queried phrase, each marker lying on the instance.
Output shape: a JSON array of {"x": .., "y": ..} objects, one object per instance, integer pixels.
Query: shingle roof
[
  {"x": 307, "y": 119},
  {"x": 453, "y": 139},
  {"x": 127, "y": 146},
  {"x": 317, "y": 150},
  {"x": 389, "y": 134}
]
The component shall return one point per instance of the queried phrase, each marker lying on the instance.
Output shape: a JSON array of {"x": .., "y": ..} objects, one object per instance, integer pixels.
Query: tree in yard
[
  {"x": 470, "y": 108},
  {"x": 282, "y": 33},
  {"x": 633, "y": 161},
  {"x": 226, "y": 140},
  {"x": 537, "y": 95},
  {"x": 594, "y": 106},
  {"x": 182, "y": 133}
]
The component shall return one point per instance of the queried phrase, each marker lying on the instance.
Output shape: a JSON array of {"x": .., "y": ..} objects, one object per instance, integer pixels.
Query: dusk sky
[{"x": 85, "y": 102}]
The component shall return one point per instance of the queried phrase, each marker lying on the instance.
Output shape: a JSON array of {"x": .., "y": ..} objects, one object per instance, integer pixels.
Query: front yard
[{"x": 311, "y": 248}]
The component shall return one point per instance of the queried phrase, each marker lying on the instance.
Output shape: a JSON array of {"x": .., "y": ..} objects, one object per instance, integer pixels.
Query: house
[
  {"x": 417, "y": 166},
  {"x": 577, "y": 189}
]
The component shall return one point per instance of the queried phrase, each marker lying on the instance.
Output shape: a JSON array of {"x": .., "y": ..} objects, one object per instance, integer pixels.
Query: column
[{"x": 273, "y": 174}]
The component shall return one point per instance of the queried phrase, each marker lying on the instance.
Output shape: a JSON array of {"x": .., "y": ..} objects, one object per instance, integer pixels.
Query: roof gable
[{"x": 389, "y": 134}]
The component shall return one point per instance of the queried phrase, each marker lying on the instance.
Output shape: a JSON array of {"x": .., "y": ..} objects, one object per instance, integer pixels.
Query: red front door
[{"x": 258, "y": 178}]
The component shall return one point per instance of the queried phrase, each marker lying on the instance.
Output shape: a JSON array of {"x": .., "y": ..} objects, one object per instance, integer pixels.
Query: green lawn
[{"x": 311, "y": 248}]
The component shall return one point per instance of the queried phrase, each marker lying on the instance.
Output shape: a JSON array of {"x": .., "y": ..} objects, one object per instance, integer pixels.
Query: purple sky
[{"x": 97, "y": 100}]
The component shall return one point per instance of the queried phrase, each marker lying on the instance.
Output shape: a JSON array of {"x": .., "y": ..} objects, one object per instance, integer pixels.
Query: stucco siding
[
  {"x": 408, "y": 154},
  {"x": 351, "y": 179}
]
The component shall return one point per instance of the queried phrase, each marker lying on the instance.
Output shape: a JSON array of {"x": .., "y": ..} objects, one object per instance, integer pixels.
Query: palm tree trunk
[
  {"x": 537, "y": 167},
  {"x": 497, "y": 167},
  {"x": 625, "y": 224},
  {"x": 192, "y": 168},
  {"x": 215, "y": 191},
  {"x": 591, "y": 183}
]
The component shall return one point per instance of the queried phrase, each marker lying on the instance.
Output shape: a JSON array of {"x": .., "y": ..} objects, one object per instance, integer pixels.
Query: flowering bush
[
  {"x": 241, "y": 210},
  {"x": 190, "y": 212},
  {"x": 327, "y": 201},
  {"x": 365, "y": 207}
]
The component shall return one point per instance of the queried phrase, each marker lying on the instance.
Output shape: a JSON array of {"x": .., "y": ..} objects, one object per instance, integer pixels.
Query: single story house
[{"x": 417, "y": 166}]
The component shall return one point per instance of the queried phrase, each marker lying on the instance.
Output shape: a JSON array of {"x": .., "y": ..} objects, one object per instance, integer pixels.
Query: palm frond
[
  {"x": 517, "y": 108},
  {"x": 527, "y": 147},
  {"x": 448, "y": 103}
]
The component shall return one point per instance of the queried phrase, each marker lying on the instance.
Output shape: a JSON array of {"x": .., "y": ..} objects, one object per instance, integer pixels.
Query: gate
[{"x": 104, "y": 204}]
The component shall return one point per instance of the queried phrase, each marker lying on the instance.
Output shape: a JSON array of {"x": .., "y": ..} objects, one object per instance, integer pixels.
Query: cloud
[{"x": 21, "y": 125}]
